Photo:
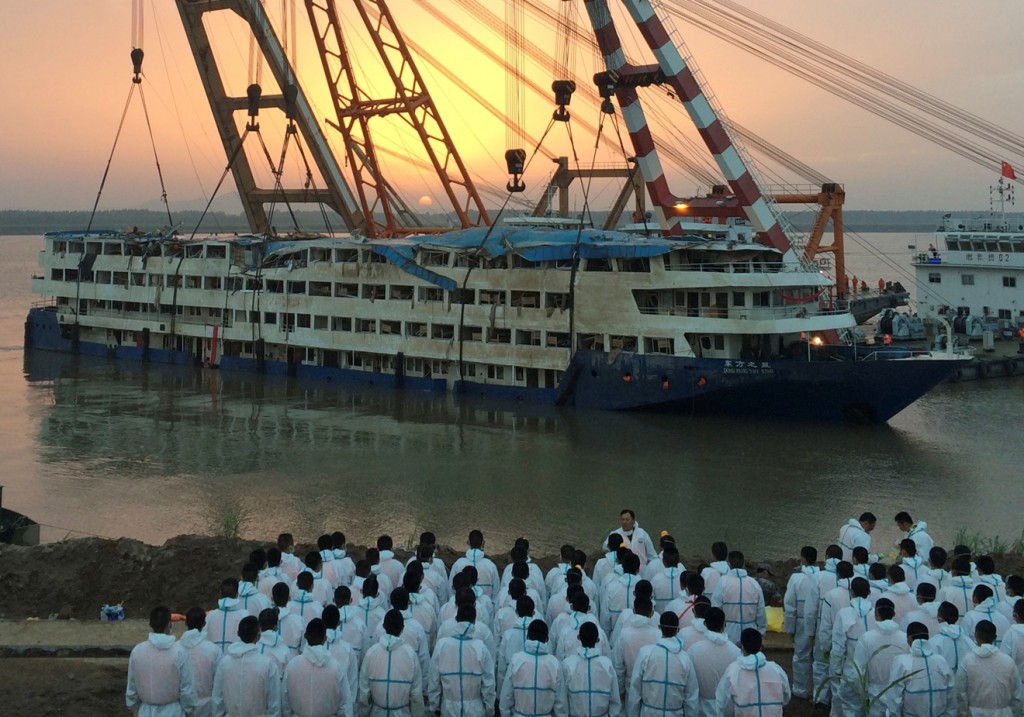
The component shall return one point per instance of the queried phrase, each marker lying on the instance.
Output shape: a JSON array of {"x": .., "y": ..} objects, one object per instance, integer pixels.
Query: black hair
[
  {"x": 588, "y": 634},
  {"x": 948, "y": 613},
  {"x": 316, "y": 632},
  {"x": 714, "y": 619},
  {"x": 537, "y": 630},
  {"x": 195, "y": 618},
  {"x": 394, "y": 623},
  {"x": 249, "y": 629},
  {"x": 810, "y": 554},
  {"x": 751, "y": 641},
  {"x": 719, "y": 550}
]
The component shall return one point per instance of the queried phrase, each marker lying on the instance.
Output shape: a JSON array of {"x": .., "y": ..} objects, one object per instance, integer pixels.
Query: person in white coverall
[
  {"x": 924, "y": 683},
  {"x": 989, "y": 683},
  {"x": 985, "y": 609},
  {"x": 918, "y": 532},
  {"x": 638, "y": 631},
  {"x": 711, "y": 658},
  {"x": 271, "y": 643},
  {"x": 951, "y": 641},
  {"x": 850, "y": 625},
  {"x": 590, "y": 682},
  {"x": 247, "y": 684},
  {"x": 488, "y": 578},
  {"x": 533, "y": 684},
  {"x": 876, "y": 650},
  {"x": 800, "y": 609},
  {"x": 1013, "y": 643},
  {"x": 752, "y": 686},
  {"x": 314, "y": 683},
  {"x": 461, "y": 679},
  {"x": 719, "y": 566},
  {"x": 857, "y": 531},
  {"x": 636, "y": 538},
  {"x": 390, "y": 681},
  {"x": 222, "y": 623},
  {"x": 203, "y": 656},
  {"x": 664, "y": 681},
  {"x": 159, "y": 673},
  {"x": 741, "y": 598}
]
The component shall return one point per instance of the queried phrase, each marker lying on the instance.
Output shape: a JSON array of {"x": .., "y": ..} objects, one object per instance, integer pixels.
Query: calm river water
[{"x": 118, "y": 449}]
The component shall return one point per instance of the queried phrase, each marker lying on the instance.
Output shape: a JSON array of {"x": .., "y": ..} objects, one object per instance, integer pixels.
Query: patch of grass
[
  {"x": 980, "y": 544},
  {"x": 229, "y": 519}
]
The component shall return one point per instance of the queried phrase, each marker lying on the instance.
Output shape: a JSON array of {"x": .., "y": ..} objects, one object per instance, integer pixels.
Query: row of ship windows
[
  {"x": 676, "y": 260},
  {"x": 289, "y": 322},
  {"x": 1009, "y": 282},
  {"x": 1003, "y": 245},
  {"x": 395, "y": 292}
]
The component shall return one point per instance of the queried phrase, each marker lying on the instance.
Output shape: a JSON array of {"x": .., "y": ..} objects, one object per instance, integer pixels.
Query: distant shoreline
[{"x": 27, "y": 222}]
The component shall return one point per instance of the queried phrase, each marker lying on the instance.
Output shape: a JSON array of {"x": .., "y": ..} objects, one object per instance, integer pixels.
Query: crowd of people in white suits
[{"x": 637, "y": 635}]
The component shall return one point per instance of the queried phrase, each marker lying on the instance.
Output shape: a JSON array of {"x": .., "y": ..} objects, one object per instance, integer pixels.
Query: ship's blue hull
[{"x": 867, "y": 391}]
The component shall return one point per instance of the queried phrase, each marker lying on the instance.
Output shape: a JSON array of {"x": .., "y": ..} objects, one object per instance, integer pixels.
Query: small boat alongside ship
[
  {"x": 15, "y": 528},
  {"x": 972, "y": 273}
]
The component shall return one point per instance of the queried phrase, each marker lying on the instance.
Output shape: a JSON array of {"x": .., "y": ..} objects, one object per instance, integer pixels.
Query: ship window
[
  {"x": 530, "y": 299},
  {"x": 101, "y": 277},
  {"x": 978, "y": 245},
  {"x": 341, "y": 323},
  {"x": 75, "y": 247},
  {"x": 1005, "y": 246},
  {"x": 121, "y": 278},
  {"x": 344, "y": 290},
  {"x": 953, "y": 245},
  {"x": 496, "y": 373},
  {"x": 442, "y": 331},
  {"x": 499, "y": 336},
  {"x": 1005, "y": 314},
  {"x": 623, "y": 343},
  {"x": 287, "y": 322},
  {"x": 464, "y": 296},
  {"x": 705, "y": 343},
  {"x": 376, "y": 258},
  {"x": 216, "y": 251},
  {"x": 1010, "y": 281},
  {"x": 719, "y": 342},
  {"x": 320, "y": 323},
  {"x": 558, "y": 339},
  {"x": 472, "y": 333},
  {"x": 556, "y": 300},
  {"x": 391, "y": 327},
  {"x": 991, "y": 246},
  {"x": 373, "y": 291},
  {"x": 319, "y": 288},
  {"x": 401, "y": 292},
  {"x": 212, "y": 282},
  {"x": 739, "y": 298},
  {"x": 56, "y": 274},
  {"x": 112, "y": 248},
  {"x": 434, "y": 258},
  {"x": 415, "y": 328},
  {"x": 296, "y": 287},
  {"x": 319, "y": 253},
  {"x": 431, "y": 293},
  {"x": 346, "y": 256},
  {"x": 527, "y": 338},
  {"x": 599, "y": 265},
  {"x": 654, "y": 345},
  {"x": 520, "y": 262},
  {"x": 269, "y": 317},
  {"x": 492, "y": 297},
  {"x": 366, "y": 326},
  {"x": 967, "y": 279},
  {"x": 593, "y": 342},
  {"x": 191, "y": 282},
  {"x": 640, "y": 264},
  {"x": 934, "y": 278},
  {"x": 275, "y": 286}
]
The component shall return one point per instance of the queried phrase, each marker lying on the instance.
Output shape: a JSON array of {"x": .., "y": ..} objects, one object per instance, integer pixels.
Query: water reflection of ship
[{"x": 191, "y": 419}]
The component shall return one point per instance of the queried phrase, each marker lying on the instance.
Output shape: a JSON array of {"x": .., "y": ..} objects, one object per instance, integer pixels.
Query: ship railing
[
  {"x": 734, "y": 267},
  {"x": 157, "y": 316},
  {"x": 748, "y": 313}
]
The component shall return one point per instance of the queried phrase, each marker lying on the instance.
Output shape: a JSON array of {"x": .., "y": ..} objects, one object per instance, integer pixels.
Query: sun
[{"x": 426, "y": 201}]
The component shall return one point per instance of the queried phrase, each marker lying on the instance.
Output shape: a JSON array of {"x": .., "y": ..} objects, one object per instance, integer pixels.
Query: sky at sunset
[{"x": 66, "y": 75}]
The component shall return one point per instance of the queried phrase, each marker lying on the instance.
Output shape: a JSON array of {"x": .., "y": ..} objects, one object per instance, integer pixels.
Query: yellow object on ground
[{"x": 774, "y": 618}]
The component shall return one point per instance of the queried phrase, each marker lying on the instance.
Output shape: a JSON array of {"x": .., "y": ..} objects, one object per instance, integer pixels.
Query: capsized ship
[{"x": 706, "y": 308}]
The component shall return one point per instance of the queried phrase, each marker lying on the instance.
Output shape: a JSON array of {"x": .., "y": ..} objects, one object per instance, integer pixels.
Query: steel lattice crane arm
[
  {"x": 354, "y": 111},
  {"x": 291, "y": 100},
  {"x": 622, "y": 79}
]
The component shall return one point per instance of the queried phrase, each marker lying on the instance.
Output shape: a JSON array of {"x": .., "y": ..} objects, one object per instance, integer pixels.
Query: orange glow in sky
[{"x": 67, "y": 75}]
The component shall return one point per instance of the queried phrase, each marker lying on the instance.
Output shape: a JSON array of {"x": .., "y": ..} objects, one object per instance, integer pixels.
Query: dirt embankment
[{"x": 75, "y": 578}]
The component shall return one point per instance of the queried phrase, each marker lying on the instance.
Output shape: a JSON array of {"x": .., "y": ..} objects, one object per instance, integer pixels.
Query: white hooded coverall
[
  {"x": 315, "y": 686},
  {"x": 664, "y": 682},
  {"x": 461, "y": 680},
  {"x": 590, "y": 684},
  {"x": 800, "y": 610},
  {"x": 711, "y": 657},
  {"x": 533, "y": 685},
  {"x": 160, "y": 678},
  {"x": 989, "y": 684},
  {"x": 742, "y": 600},
  {"x": 390, "y": 681},
  {"x": 925, "y": 684},
  {"x": 753, "y": 687},
  {"x": 247, "y": 684}
]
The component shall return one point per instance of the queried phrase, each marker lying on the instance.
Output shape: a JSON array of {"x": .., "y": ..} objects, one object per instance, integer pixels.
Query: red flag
[{"x": 1008, "y": 171}]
